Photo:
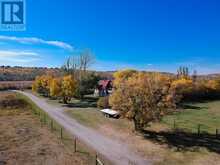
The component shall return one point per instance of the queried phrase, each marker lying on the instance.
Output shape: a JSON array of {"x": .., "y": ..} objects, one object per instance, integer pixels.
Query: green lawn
[
  {"x": 206, "y": 114},
  {"x": 92, "y": 117}
]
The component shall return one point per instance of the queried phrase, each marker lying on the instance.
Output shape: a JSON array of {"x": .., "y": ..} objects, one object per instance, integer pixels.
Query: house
[{"x": 104, "y": 88}]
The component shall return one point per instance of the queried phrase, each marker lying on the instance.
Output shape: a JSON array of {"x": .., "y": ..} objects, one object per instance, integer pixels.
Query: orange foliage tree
[{"x": 142, "y": 97}]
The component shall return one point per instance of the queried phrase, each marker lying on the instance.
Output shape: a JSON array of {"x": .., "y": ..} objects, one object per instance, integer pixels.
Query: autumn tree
[
  {"x": 55, "y": 87},
  {"x": 77, "y": 66},
  {"x": 68, "y": 87},
  {"x": 42, "y": 84},
  {"x": 142, "y": 97},
  {"x": 36, "y": 86},
  {"x": 214, "y": 84},
  {"x": 122, "y": 76},
  {"x": 45, "y": 82},
  {"x": 183, "y": 72},
  {"x": 183, "y": 88}
]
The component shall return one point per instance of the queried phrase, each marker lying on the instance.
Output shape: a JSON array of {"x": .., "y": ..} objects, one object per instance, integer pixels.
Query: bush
[
  {"x": 11, "y": 101},
  {"x": 103, "y": 102}
]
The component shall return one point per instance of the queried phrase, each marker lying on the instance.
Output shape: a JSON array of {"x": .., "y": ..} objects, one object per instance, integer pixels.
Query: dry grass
[
  {"x": 24, "y": 141},
  {"x": 4, "y": 85},
  {"x": 159, "y": 152}
]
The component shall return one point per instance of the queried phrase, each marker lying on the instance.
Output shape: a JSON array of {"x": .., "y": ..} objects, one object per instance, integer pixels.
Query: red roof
[{"x": 104, "y": 83}]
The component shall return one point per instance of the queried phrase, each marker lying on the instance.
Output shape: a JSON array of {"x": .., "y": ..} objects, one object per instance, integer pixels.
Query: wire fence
[
  {"x": 199, "y": 129},
  {"x": 71, "y": 142},
  {"x": 77, "y": 146}
]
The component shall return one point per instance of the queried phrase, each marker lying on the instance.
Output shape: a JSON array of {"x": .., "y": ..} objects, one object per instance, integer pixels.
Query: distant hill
[
  {"x": 209, "y": 76},
  {"x": 17, "y": 73}
]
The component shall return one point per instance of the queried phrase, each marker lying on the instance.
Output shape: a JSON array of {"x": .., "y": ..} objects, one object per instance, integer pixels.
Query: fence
[
  {"x": 71, "y": 142},
  {"x": 199, "y": 129}
]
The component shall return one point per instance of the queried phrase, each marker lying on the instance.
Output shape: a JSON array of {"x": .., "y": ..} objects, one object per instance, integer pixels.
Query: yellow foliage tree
[
  {"x": 182, "y": 87},
  {"x": 42, "y": 84},
  {"x": 36, "y": 86},
  {"x": 214, "y": 84},
  {"x": 142, "y": 97},
  {"x": 122, "y": 76},
  {"x": 69, "y": 86},
  {"x": 55, "y": 87}
]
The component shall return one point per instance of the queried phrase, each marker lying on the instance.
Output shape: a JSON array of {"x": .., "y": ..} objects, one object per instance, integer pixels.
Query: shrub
[
  {"x": 103, "y": 102},
  {"x": 11, "y": 101}
]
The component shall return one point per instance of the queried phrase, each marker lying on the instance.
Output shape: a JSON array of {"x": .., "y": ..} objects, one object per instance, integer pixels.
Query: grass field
[
  {"x": 161, "y": 145},
  {"x": 24, "y": 139},
  {"x": 206, "y": 114}
]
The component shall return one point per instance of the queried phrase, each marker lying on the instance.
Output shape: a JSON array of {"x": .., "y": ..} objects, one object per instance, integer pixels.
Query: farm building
[{"x": 104, "y": 88}]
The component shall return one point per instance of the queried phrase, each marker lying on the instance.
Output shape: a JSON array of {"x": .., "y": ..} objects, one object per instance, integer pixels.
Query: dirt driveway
[{"x": 116, "y": 151}]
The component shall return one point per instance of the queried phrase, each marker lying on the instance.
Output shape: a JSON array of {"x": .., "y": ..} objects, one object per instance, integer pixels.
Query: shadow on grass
[
  {"x": 184, "y": 141},
  {"x": 188, "y": 106},
  {"x": 81, "y": 104},
  {"x": 86, "y": 102}
]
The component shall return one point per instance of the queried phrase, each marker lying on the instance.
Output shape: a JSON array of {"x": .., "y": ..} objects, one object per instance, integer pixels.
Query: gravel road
[{"x": 114, "y": 150}]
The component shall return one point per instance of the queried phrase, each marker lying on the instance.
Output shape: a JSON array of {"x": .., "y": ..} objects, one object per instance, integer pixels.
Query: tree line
[
  {"x": 17, "y": 73},
  {"x": 75, "y": 80},
  {"x": 145, "y": 97},
  {"x": 140, "y": 96}
]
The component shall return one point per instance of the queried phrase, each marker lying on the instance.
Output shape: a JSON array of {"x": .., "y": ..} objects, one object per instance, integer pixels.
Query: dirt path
[{"x": 115, "y": 151}]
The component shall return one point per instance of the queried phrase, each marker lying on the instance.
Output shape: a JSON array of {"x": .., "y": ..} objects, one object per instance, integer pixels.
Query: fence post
[
  {"x": 61, "y": 133},
  {"x": 75, "y": 145},
  {"x": 41, "y": 122},
  {"x": 45, "y": 118},
  {"x": 51, "y": 125},
  {"x": 174, "y": 124},
  {"x": 199, "y": 129}
]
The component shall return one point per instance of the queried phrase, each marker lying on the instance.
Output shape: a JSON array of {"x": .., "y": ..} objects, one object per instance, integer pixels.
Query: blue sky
[{"x": 142, "y": 34}]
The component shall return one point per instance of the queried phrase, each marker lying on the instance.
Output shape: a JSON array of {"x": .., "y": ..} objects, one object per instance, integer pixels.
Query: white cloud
[
  {"x": 34, "y": 40},
  {"x": 19, "y": 56},
  {"x": 22, "y": 60},
  {"x": 6, "y": 54}
]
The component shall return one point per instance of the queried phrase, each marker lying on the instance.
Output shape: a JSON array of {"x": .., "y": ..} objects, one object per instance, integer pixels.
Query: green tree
[{"x": 87, "y": 84}]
